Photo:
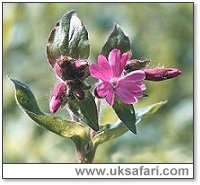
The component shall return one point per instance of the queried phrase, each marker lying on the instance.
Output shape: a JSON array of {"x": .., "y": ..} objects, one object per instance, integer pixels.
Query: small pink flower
[
  {"x": 58, "y": 96},
  {"x": 113, "y": 81}
]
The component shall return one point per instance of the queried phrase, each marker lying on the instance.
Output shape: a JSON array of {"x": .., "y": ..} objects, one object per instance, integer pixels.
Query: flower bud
[
  {"x": 160, "y": 74},
  {"x": 58, "y": 96},
  {"x": 69, "y": 69}
]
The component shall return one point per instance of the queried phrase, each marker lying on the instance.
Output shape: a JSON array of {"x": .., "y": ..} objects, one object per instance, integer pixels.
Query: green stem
[{"x": 86, "y": 153}]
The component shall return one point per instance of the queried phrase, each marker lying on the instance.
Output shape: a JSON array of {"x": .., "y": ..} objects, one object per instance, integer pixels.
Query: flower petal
[
  {"x": 103, "y": 89},
  {"x": 142, "y": 86},
  {"x": 103, "y": 63},
  {"x": 126, "y": 96},
  {"x": 134, "y": 76},
  {"x": 98, "y": 72},
  {"x": 114, "y": 59},
  {"x": 131, "y": 86},
  {"x": 110, "y": 97},
  {"x": 124, "y": 59}
]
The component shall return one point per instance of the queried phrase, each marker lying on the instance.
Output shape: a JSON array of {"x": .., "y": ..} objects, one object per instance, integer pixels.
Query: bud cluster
[
  {"x": 68, "y": 68},
  {"x": 72, "y": 73}
]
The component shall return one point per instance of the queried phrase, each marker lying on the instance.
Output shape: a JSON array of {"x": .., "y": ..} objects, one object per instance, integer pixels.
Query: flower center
[{"x": 114, "y": 82}]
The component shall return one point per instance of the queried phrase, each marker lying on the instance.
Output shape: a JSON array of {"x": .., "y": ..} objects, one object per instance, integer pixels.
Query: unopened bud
[
  {"x": 69, "y": 69},
  {"x": 58, "y": 96},
  {"x": 160, "y": 74}
]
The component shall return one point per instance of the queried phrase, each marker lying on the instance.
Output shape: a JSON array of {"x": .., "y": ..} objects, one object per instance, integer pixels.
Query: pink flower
[
  {"x": 112, "y": 80},
  {"x": 58, "y": 96}
]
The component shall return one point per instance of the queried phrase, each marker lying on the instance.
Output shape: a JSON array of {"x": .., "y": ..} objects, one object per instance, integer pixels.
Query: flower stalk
[{"x": 86, "y": 154}]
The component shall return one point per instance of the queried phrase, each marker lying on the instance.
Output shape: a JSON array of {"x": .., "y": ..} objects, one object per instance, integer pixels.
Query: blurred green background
[{"x": 161, "y": 32}]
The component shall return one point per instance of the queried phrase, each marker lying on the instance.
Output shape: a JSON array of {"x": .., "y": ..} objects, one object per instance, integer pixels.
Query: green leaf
[
  {"x": 118, "y": 40},
  {"x": 25, "y": 98},
  {"x": 126, "y": 114},
  {"x": 69, "y": 37},
  {"x": 69, "y": 129},
  {"x": 150, "y": 109},
  {"x": 86, "y": 110},
  {"x": 114, "y": 131}
]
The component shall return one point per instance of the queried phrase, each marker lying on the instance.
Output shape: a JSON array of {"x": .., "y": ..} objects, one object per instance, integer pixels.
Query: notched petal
[
  {"x": 114, "y": 60},
  {"x": 98, "y": 72}
]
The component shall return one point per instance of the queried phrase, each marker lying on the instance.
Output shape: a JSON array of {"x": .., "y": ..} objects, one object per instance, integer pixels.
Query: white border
[{"x": 119, "y": 170}]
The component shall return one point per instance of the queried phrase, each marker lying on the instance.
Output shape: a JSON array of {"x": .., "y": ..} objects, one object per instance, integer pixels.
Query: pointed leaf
[
  {"x": 150, "y": 109},
  {"x": 113, "y": 131},
  {"x": 126, "y": 114},
  {"x": 69, "y": 37},
  {"x": 26, "y": 100},
  {"x": 86, "y": 110},
  {"x": 118, "y": 40},
  {"x": 25, "y": 97}
]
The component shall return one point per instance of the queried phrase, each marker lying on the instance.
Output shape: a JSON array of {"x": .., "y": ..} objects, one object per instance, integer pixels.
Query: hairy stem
[{"x": 86, "y": 153}]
